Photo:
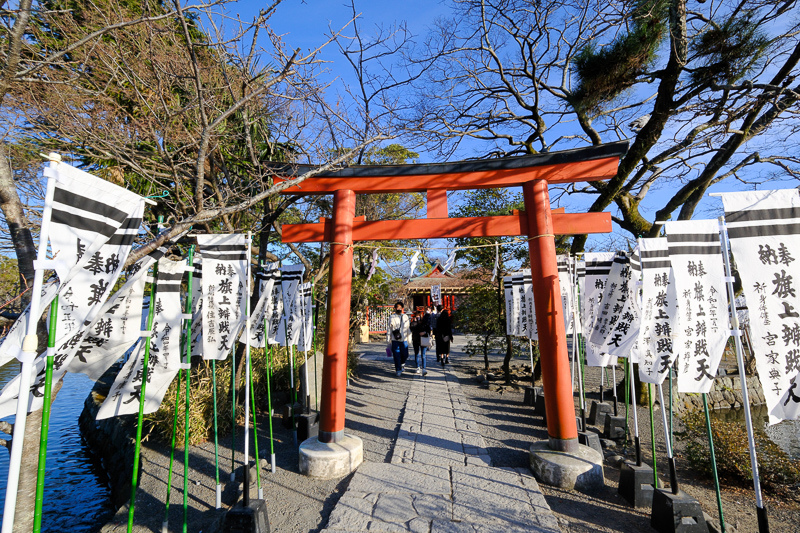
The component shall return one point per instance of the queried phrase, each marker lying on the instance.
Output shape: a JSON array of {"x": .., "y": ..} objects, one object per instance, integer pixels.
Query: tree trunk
[
  {"x": 21, "y": 236},
  {"x": 486, "y": 352},
  {"x": 507, "y": 359}
]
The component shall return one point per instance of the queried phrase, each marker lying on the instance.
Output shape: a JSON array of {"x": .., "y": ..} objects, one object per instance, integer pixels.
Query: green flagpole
[
  {"x": 165, "y": 523},
  {"x": 48, "y": 388},
  {"x": 188, "y": 368},
  {"x": 233, "y": 413},
  {"x": 713, "y": 463},
  {"x": 255, "y": 434},
  {"x": 137, "y": 449},
  {"x": 652, "y": 434},
  {"x": 216, "y": 433},
  {"x": 269, "y": 396}
]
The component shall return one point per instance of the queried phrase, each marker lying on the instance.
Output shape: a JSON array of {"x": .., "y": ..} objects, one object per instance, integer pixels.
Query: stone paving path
[{"x": 440, "y": 479}]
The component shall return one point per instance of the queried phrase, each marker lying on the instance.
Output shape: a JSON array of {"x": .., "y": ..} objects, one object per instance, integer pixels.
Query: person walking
[
  {"x": 420, "y": 337},
  {"x": 434, "y": 318},
  {"x": 444, "y": 335},
  {"x": 399, "y": 335}
]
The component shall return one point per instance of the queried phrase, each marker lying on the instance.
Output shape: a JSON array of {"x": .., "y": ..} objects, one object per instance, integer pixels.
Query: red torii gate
[{"x": 534, "y": 173}]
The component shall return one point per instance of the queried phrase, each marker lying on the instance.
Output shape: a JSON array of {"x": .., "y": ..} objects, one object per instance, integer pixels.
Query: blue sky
[{"x": 305, "y": 23}]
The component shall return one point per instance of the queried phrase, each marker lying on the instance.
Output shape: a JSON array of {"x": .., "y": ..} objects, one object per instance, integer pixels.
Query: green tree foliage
[
  {"x": 705, "y": 92},
  {"x": 605, "y": 73},
  {"x": 479, "y": 314}
]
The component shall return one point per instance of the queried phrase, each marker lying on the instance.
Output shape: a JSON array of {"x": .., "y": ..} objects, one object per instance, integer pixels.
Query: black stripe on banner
[
  {"x": 622, "y": 260},
  {"x": 599, "y": 263},
  {"x": 763, "y": 231},
  {"x": 762, "y": 215},
  {"x": 291, "y": 277},
  {"x": 81, "y": 223},
  {"x": 221, "y": 247},
  {"x": 83, "y": 203},
  {"x": 227, "y": 257},
  {"x": 169, "y": 288},
  {"x": 691, "y": 250},
  {"x": 693, "y": 237},
  {"x": 170, "y": 277},
  {"x": 649, "y": 254},
  {"x": 656, "y": 264},
  {"x": 122, "y": 239}
]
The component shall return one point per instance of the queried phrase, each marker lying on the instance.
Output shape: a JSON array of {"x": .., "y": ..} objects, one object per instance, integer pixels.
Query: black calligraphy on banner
[
  {"x": 616, "y": 328},
  {"x": 764, "y": 232},
  {"x": 261, "y": 317},
  {"x": 598, "y": 267},
  {"x": 659, "y": 332},
  {"x": 165, "y": 352},
  {"x": 291, "y": 278},
  {"x": 696, "y": 256},
  {"x": 223, "y": 281}
]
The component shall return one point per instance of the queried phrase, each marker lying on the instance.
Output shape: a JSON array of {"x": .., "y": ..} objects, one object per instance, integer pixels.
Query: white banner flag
[
  {"x": 532, "y": 331},
  {"x": 617, "y": 325},
  {"x": 80, "y": 301},
  {"x": 764, "y": 232},
  {"x": 117, "y": 328},
  {"x": 266, "y": 277},
  {"x": 598, "y": 266},
  {"x": 696, "y": 256},
  {"x": 12, "y": 343},
  {"x": 224, "y": 287},
  {"x": 291, "y": 278},
  {"x": 307, "y": 320},
  {"x": 659, "y": 332},
  {"x": 165, "y": 351},
  {"x": 436, "y": 294},
  {"x": 197, "y": 306},
  {"x": 87, "y": 212},
  {"x": 508, "y": 290},
  {"x": 520, "y": 312},
  {"x": 565, "y": 285}
]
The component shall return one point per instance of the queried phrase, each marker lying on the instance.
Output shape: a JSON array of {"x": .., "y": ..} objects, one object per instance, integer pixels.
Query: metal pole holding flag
[
  {"x": 761, "y": 508},
  {"x": 673, "y": 473},
  {"x": 27, "y": 357},
  {"x": 48, "y": 387},
  {"x": 233, "y": 413},
  {"x": 137, "y": 449},
  {"x": 314, "y": 346},
  {"x": 636, "y": 442},
  {"x": 246, "y": 461},
  {"x": 291, "y": 376},
  {"x": 218, "y": 504},
  {"x": 187, "y": 367},
  {"x": 614, "y": 381},
  {"x": 268, "y": 353},
  {"x": 652, "y": 433}
]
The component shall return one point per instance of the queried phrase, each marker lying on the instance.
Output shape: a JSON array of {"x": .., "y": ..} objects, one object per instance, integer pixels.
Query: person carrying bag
[{"x": 398, "y": 336}]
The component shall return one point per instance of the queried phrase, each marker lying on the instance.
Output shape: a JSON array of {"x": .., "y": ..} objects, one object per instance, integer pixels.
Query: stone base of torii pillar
[
  {"x": 331, "y": 460},
  {"x": 581, "y": 469}
]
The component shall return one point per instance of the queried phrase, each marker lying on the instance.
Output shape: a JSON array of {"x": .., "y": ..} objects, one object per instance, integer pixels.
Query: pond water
[
  {"x": 785, "y": 434},
  {"x": 77, "y": 494}
]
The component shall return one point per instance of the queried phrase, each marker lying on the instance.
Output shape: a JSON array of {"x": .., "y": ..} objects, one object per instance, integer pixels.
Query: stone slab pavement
[{"x": 439, "y": 478}]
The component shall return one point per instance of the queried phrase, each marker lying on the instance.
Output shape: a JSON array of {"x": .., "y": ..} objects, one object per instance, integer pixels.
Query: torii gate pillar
[
  {"x": 556, "y": 380},
  {"x": 334, "y": 369},
  {"x": 332, "y": 454}
]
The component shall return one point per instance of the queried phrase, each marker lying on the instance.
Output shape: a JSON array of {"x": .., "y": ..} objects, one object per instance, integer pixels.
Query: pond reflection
[{"x": 76, "y": 495}]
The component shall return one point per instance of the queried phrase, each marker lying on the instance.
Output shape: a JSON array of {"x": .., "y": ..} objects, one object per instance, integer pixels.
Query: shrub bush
[{"x": 777, "y": 470}]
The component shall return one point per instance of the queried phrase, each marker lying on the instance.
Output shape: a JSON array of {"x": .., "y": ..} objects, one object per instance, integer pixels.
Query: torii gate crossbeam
[{"x": 538, "y": 223}]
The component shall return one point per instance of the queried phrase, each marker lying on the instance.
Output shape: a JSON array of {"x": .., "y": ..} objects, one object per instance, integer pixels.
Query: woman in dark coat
[{"x": 444, "y": 334}]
